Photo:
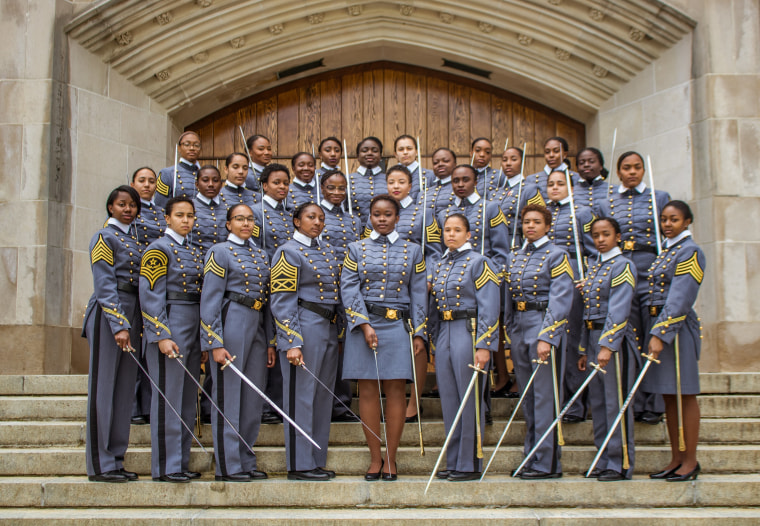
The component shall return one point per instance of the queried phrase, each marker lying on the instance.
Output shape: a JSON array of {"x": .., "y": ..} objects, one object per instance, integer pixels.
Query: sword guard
[
  {"x": 226, "y": 363},
  {"x": 540, "y": 362},
  {"x": 597, "y": 367},
  {"x": 476, "y": 368},
  {"x": 176, "y": 355},
  {"x": 650, "y": 358}
]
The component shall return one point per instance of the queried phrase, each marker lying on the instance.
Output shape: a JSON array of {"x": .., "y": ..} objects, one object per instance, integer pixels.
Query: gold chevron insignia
[
  {"x": 498, "y": 219},
  {"x": 691, "y": 267},
  {"x": 537, "y": 200},
  {"x": 213, "y": 267},
  {"x": 562, "y": 268},
  {"x": 420, "y": 267},
  {"x": 161, "y": 187},
  {"x": 349, "y": 263},
  {"x": 433, "y": 233},
  {"x": 284, "y": 276},
  {"x": 587, "y": 226},
  {"x": 154, "y": 266},
  {"x": 486, "y": 276},
  {"x": 366, "y": 232},
  {"x": 101, "y": 252},
  {"x": 625, "y": 277},
  {"x": 256, "y": 232}
]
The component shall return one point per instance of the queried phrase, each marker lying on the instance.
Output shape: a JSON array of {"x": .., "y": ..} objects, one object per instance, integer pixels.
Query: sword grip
[
  {"x": 650, "y": 358},
  {"x": 227, "y": 362}
]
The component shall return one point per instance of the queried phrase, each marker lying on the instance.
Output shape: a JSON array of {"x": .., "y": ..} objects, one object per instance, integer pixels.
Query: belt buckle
[
  {"x": 257, "y": 305},
  {"x": 629, "y": 245},
  {"x": 589, "y": 324},
  {"x": 653, "y": 311},
  {"x": 448, "y": 315},
  {"x": 522, "y": 306},
  {"x": 391, "y": 314}
]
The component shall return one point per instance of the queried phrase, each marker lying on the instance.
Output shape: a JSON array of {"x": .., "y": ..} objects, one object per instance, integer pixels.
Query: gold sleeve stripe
[
  {"x": 422, "y": 326},
  {"x": 366, "y": 232},
  {"x": 161, "y": 187},
  {"x": 587, "y": 226},
  {"x": 507, "y": 339},
  {"x": 486, "y": 276},
  {"x": 256, "y": 232},
  {"x": 498, "y": 219},
  {"x": 554, "y": 326},
  {"x": 350, "y": 312},
  {"x": 488, "y": 333},
  {"x": 670, "y": 321},
  {"x": 419, "y": 268},
  {"x": 114, "y": 312},
  {"x": 211, "y": 333},
  {"x": 563, "y": 267},
  {"x": 287, "y": 329},
  {"x": 433, "y": 232},
  {"x": 155, "y": 322},
  {"x": 691, "y": 267},
  {"x": 349, "y": 263},
  {"x": 613, "y": 330},
  {"x": 154, "y": 266},
  {"x": 213, "y": 267},
  {"x": 625, "y": 277},
  {"x": 536, "y": 200},
  {"x": 101, "y": 252},
  {"x": 284, "y": 276}
]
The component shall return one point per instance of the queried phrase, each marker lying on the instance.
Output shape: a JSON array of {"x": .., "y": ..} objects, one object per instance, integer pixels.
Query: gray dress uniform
[
  {"x": 235, "y": 292},
  {"x": 489, "y": 181},
  {"x": 632, "y": 208},
  {"x": 252, "y": 180},
  {"x": 232, "y": 195},
  {"x": 325, "y": 168},
  {"x": 301, "y": 192},
  {"x": 563, "y": 236},
  {"x": 167, "y": 187},
  {"x": 439, "y": 196},
  {"x": 593, "y": 194},
  {"x": 428, "y": 176},
  {"x": 507, "y": 197},
  {"x": 170, "y": 277},
  {"x": 210, "y": 223},
  {"x": 383, "y": 283},
  {"x": 363, "y": 186},
  {"x": 607, "y": 296},
  {"x": 540, "y": 178},
  {"x": 305, "y": 301},
  {"x": 540, "y": 283},
  {"x": 673, "y": 282},
  {"x": 465, "y": 286},
  {"x": 113, "y": 307}
]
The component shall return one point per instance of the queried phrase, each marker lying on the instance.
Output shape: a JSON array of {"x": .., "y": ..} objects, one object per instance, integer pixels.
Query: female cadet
[
  {"x": 562, "y": 235},
  {"x": 631, "y": 205},
  {"x": 481, "y": 153},
  {"x": 303, "y": 188},
  {"x": 555, "y": 155},
  {"x": 305, "y": 298},
  {"x": 674, "y": 336},
  {"x": 167, "y": 186},
  {"x": 608, "y": 339},
  {"x": 384, "y": 292},
  {"x": 234, "y": 191},
  {"x": 111, "y": 323},
  {"x": 536, "y": 312},
  {"x": 465, "y": 286},
  {"x": 234, "y": 322},
  {"x": 149, "y": 223},
  {"x": 405, "y": 149},
  {"x": 209, "y": 210},
  {"x": 170, "y": 277},
  {"x": 330, "y": 153},
  {"x": 592, "y": 188},
  {"x": 369, "y": 180},
  {"x": 261, "y": 155},
  {"x": 440, "y": 194}
]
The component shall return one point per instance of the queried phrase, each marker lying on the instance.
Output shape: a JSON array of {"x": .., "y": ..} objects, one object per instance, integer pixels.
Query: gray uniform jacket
[
  {"x": 363, "y": 187},
  {"x": 210, "y": 224},
  {"x": 439, "y": 196},
  {"x": 167, "y": 187},
  {"x": 507, "y": 197},
  {"x": 593, "y": 194},
  {"x": 540, "y": 178},
  {"x": 234, "y": 195},
  {"x": 277, "y": 223},
  {"x": 150, "y": 222}
]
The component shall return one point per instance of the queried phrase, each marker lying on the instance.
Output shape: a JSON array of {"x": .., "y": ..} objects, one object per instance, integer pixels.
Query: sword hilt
[
  {"x": 540, "y": 362},
  {"x": 471, "y": 366},
  {"x": 226, "y": 363},
  {"x": 176, "y": 355},
  {"x": 650, "y": 357},
  {"x": 597, "y": 367}
]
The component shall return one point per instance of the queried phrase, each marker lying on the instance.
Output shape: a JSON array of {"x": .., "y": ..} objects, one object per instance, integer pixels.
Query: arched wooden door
[{"x": 386, "y": 100}]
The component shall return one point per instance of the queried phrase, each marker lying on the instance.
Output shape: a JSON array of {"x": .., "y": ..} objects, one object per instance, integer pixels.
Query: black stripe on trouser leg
[
  {"x": 93, "y": 424},
  {"x": 292, "y": 414},
  {"x": 161, "y": 414},
  {"x": 555, "y": 442},
  {"x": 219, "y": 421}
]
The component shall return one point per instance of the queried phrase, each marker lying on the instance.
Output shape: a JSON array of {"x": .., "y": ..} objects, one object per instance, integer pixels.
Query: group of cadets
[{"x": 306, "y": 278}]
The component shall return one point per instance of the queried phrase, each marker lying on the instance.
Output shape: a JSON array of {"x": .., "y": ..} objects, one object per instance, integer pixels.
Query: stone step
[
  {"x": 522, "y": 516},
  {"x": 72, "y": 433},
  {"x": 354, "y": 460},
  {"x": 346, "y": 492},
  {"x": 74, "y": 407}
]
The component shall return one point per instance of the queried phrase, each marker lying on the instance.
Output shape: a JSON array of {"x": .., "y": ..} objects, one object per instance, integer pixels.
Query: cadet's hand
[
  {"x": 579, "y": 284},
  {"x": 294, "y": 356},
  {"x": 655, "y": 346},
  {"x": 603, "y": 358},
  {"x": 221, "y": 355},
  {"x": 168, "y": 347},
  {"x": 122, "y": 340},
  {"x": 481, "y": 358},
  {"x": 582, "y": 362},
  {"x": 419, "y": 345},
  {"x": 369, "y": 336},
  {"x": 544, "y": 350},
  {"x": 204, "y": 357},
  {"x": 271, "y": 357}
]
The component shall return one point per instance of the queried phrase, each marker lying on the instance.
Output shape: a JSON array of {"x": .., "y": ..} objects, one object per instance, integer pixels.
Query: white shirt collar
[
  {"x": 406, "y": 201},
  {"x": 327, "y": 168},
  {"x": 235, "y": 239},
  {"x": 324, "y": 203},
  {"x": 562, "y": 167},
  {"x": 472, "y": 198},
  {"x": 392, "y": 237},
  {"x": 515, "y": 180},
  {"x": 369, "y": 171},
  {"x": 303, "y": 183},
  {"x": 195, "y": 164},
  {"x": 271, "y": 201},
  {"x": 466, "y": 246},
  {"x": 670, "y": 242},
  {"x": 233, "y": 185},
  {"x": 203, "y": 199},
  {"x": 175, "y": 236},
  {"x": 639, "y": 188},
  {"x": 445, "y": 180},
  {"x": 257, "y": 167},
  {"x": 614, "y": 251},
  {"x": 538, "y": 243},
  {"x": 118, "y": 224},
  {"x": 563, "y": 201},
  {"x": 303, "y": 238},
  {"x": 150, "y": 203},
  {"x": 412, "y": 166}
]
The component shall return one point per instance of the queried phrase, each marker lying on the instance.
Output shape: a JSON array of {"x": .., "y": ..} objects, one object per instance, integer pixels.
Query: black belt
[
  {"x": 463, "y": 314},
  {"x": 655, "y": 310},
  {"x": 530, "y": 305},
  {"x": 327, "y": 313},
  {"x": 594, "y": 325},
  {"x": 385, "y": 312},
  {"x": 632, "y": 246},
  {"x": 127, "y": 287},
  {"x": 184, "y": 296},
  {"x": 244, "y": 300}
]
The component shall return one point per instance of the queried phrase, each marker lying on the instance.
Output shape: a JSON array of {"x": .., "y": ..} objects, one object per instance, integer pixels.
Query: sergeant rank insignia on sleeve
[
  {"x": 101, "y": 252},
  {"x": 486, "y": 276},
  {"x": 284, "y": 276},
  {"x": 154, "y": 266},
  {"x": 691, "y": 267},
  {"x": 563, "y": 267},
  {"x": 624, "y": 277},
  {"x": 213, "y": 267}
]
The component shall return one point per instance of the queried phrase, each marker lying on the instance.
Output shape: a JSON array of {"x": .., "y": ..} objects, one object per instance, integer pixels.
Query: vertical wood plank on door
[
  {"x": 522, "y": 128},
  {"x": 437, "y": 123},
  {"x": 501, "y": 126},
  {"x": 224, "y": 137},
  {"x": 246, "y": 118},
  {"x": 206, "y": 134},
  {"x": 330, "y": 120},
  {"x": 287, "y": 126},
  {"x": 459, "y": 121},
  {"x": 352, "y": 112},
  {"x": 416, "y": 104},
  {"x": 480, "y": 115},
  {"x": 372, "y": 114},
  {"x": 394, "y": 109},
  {"x": 266, "y": 120},
  {"x": 309, "y": 110}
]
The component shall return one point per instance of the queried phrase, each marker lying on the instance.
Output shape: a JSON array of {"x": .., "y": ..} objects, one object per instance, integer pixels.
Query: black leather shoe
[
  {"x": 411, "y": 419},
  {"x": 234, "y": 477},
  {"x": 572, "y": 419},
  {"x": 312, "y": 475},
  {"x": 387, "y": 475},
  {"x": 205, "y": 419},
  {"x": 140, "y": 420},
  {"x": 443, "y": 475},
  {"x": 595, "y": 473},
  {"x": 651, "y": 418},
  {"x": 192, "y": 474},
  {"x": 257, "y": 475},
  {"x": 665, "y": 473},
  {"x": 489, "y": 418},
  {"x": 271, "y": 418},
  {"x": 345, "y": 417},
  {"x": 532, "y": 474},
  {"x": 503, "y": 392},
  {"x": 691, "y": 475},
  {"x": 173, "y": 477},
  {"x": 370, "y": 476},
  {"x": 109, "y": 476},
  {"x": 461, "y": 476},
  {"x": 330, "y": 473},
  {"x": 610, "y": 475},
  {"x": 131, "y": 475}
]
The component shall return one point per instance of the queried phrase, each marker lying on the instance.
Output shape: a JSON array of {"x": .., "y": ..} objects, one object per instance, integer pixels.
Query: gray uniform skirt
[
  {"x": 393, "y": 355},
  {"x": 661, "y": 378}
]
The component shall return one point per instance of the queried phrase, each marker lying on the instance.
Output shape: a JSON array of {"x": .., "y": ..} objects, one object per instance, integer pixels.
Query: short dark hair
[
  {"x": 296, "y": 156},
  {"x": 681, "y": 207},
  {"x": 612, "y": 221},
  {"x": 184, "y": 134},
  {"x": 134, "y": 174},
  {"x": 385, "y": 197},
  {"x": 478, "y": 139},
  {"x": 232, "y": 209},
  {"x": 400, "y": 168},
  {"x": 405, "y": 136},
  {"x": 298, "y": 212},
  {"x": 253, "y": 138},
  {"x": 329, "y": 173},
  {"x": 628, "y": 154},
  {"x": 370, "y": 138},
  {"x": 270, "y": 169},
  {"x": 564, "y": 176},
  {"x": 519, "y": 150},
  {"x": 171, "y": 203},
  {"x": 114, "y": 195},
  {"x": 540, "y": 209},
  {"x": 328, "y": 139},
  {"x": 231, "y": 156},
  {"x": 561, "y": 140},
  {"x": 208, "y": 167},
  {"x": 605, "y": 172},
  {"x": 470, "y": 168},
  {"x": 461, "y": 217},
  {"x": 447, "y": 150}
]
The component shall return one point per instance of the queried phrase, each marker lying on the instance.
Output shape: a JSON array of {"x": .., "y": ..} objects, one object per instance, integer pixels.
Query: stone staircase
[{"x": 42, "y": 472}]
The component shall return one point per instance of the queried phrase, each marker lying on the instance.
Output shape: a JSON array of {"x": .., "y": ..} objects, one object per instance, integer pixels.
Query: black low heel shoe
[
  {"x": 691, "y": 475},
  {"x": 374, "y": 476},
  {"x": 390, "y": 476},
  {"x": 664, "y": 473}
]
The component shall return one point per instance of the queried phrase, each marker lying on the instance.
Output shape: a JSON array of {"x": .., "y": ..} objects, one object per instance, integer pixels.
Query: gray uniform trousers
[
  {"x": 573, "y": 377},
  {"x": 342, "y": 387},
  {"x": 538, "y": 404},
  {"x": 110, "y": 388},
  {"x": 170, "y": 441},
  {"x": 304, "y": 400}
]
